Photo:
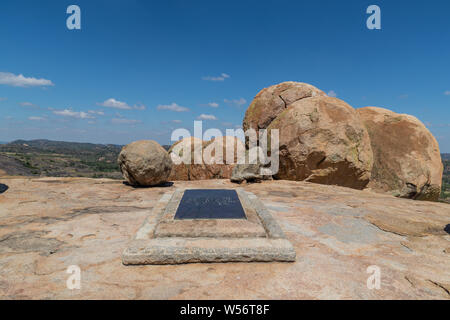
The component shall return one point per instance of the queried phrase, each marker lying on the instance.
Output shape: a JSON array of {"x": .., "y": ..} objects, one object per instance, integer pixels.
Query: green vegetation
[
  {"x": 445, "y": 193},
  {"x": 60, "y": 159}
]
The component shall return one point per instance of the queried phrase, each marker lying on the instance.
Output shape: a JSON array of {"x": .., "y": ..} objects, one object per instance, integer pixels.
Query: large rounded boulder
[
  {"x": 220, "y": 156},
  {"x": 214, "y": 163},
  {"x": 224, "y": 149},
  {"x": 407, "y": 160},
  {"x": 323, "y": 140},
  {"x": 144, "y": 163},
  {"x": 183, "y": 153},
  {"x": 271, "y": 101}
]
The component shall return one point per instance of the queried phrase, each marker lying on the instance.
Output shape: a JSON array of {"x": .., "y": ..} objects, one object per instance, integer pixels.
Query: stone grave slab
[
  {"x": 233, "y": 226},
  {"x": 210, "y": 204}
]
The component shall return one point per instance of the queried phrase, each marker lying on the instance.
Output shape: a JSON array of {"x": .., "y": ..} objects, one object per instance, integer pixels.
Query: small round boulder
[{"x": 144, "y": 163}]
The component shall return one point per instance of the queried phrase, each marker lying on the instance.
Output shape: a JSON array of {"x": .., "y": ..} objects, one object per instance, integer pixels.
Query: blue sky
[{"x": 139, "y": 69}]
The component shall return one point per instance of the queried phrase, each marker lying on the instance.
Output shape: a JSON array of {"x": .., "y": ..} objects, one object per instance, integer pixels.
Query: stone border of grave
[
  {"x": 145, "y": 248},
  {"x": 249, "y": 227}
]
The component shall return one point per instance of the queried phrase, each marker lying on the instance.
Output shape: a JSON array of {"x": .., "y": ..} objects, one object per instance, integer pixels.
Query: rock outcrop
[
  {"x": 48, "y": 224},
  {"x": 213, "y": 165},
  {"x": 183, "y": 162},
  {"x": 144, "y": 163},
  {"x": 323, "y": 140},
  {"x": 246, "y": 170},
  {"x": 216, "y": 150},
  {"x": 407, "y": 161},
  {"x": 271, "y": 101}
]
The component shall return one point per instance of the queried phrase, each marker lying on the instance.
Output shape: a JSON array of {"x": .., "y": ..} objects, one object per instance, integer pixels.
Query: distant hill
[
  {"x": 60, "y": 159},
  {"x": 445, "y": 156},
  {"x": 59, "y": 146},
  {"x": 62, "y": 146}
]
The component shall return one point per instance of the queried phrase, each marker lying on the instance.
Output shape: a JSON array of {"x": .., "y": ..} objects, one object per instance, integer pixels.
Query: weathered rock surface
[
  {"x": 407, "y": 160},
  {"x": 183, "y": 162},
  {"x": 271, "y": 101},
  {"x": 247, "y": 171},
  {"x": 212, "y": 166},
  {"x": 48, "y": 224},
  {"x": 323, "y": 140},
  {"x": 144, "y": 163}
]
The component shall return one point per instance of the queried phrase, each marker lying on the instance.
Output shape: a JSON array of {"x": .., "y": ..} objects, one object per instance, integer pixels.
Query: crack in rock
[{"x": 440, "y": 286}]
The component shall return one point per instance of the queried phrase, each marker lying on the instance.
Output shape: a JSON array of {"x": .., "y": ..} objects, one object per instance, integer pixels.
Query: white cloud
[
  {"x": 11, "y": 79},
  {"x": 37, "y": 118},
  {"x": 237, "y": 102},
  {"x": 125, "y": 121},
  {"x": 206, "y": 117},
  {"x": 447, "y": 93},
  {"x": 139, "y": 107},
  {"x": 222, "y": 77},
  {"x": 73, "y": 114},
  {"x": 100, "y": 113},
  {"x": 113, "y": 103},
  {"x": 332, "y": 93},
  {"x": 172, "y": 107},
  {"x": 3, "y": 99},
  {"x": 213, "y": 104},
  {"x": 176, "y": 121},
  {"x": 27, "y": 104}
]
